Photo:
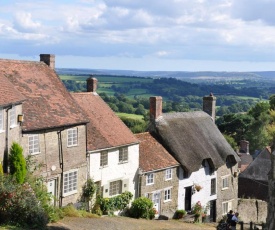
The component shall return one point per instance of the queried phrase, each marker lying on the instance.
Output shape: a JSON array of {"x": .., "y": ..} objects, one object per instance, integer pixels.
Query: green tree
[{"x": 17, "y": 163}]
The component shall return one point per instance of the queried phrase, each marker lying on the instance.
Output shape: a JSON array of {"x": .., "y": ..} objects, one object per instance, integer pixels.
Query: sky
[{"x": 168, "y": 35}]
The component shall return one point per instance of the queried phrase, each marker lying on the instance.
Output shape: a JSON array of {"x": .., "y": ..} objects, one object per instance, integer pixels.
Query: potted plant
[
  {"x": 180, "y": 213},
  {"x": 197, "y": 187}
]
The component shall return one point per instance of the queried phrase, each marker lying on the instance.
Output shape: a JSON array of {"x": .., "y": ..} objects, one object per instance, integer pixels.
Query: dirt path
[{"x": 124, "y": 223}]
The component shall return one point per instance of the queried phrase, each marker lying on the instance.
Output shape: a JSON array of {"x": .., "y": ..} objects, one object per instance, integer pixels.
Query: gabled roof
[
  {"x": 105, "y": 129},
  {"x": 8, "y": 94},
  {"x": 152, "y": 155},
  {"x": 192, "y": 137},
  {"x": 48, "y": 104},
  {"x": 259, "y": 168}
]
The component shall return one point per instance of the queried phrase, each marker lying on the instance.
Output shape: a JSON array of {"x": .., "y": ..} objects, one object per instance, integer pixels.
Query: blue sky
[{"x": 187, "y": 35}]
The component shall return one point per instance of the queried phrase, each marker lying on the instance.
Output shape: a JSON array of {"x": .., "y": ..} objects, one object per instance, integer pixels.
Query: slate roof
[
  {"x": 259, "y": 168},
  {"x": 8, "y": 94},
  {"x": 152, "y": 155},
  {"x": 192, "y": 137},
  {"x": 48, "y": 104},
  {"x": 105, "y": 129}
]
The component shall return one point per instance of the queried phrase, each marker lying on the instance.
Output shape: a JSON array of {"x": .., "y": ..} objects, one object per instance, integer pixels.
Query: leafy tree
[
  {"x": 231, "y": 141},
  {"x": 17, "y": 163}
]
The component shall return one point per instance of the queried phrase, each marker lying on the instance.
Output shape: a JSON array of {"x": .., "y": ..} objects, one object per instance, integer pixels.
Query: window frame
[
  {"x": 213, "y": 187},
  {"x": 115, "y": 188},
  {"x": 12, "y": 114},
  {"x": 150, "y": 179},
  {"x": 167, "y": 194},
  {"x": 225, "y": 182},
  {"x": 168, "y": 174},
  {"x": 72, "y": 137},
  {"x": 34, "y": 147},
  {"x": 123, "y": 155},
  {"x": 70, "y": 181},
  {"x": 229, "y": 207},
  {"x": 103, "y": 158},
  {"x": 1, "y": 120}
]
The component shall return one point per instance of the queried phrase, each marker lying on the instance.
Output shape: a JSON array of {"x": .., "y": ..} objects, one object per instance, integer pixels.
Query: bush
[
  {"x": 17, "y": 163},
  {"x": 142, "y": 207},
  {"x": 180, "y": 213}
]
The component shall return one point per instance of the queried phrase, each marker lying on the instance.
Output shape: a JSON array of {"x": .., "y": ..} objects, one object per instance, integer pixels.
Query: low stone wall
[{"x": 252, "y": 210}]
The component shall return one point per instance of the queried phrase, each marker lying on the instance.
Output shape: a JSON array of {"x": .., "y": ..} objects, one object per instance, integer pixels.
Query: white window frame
[
  {"x": 103, "y": 159},
  {"x": 72, "y": 137},
  {"x": 225, "y": 182},
  {"x": 226, "y": 207},
  {"x": 168, "y": 174},
  {"x": 13, "y": 122},
  {"x": 1, "y": 120},
  {"x": 34, "y": 144},
  {"x": 150, "y": 178},
  {"x": 70, "y": 180},
  {"x": 123, "y": 155},
  {"x": 167, "y": 194},
  {"x": 115, "y": 188}
]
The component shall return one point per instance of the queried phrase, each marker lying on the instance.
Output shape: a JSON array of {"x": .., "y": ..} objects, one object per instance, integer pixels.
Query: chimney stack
[
  {"x": 155, "y": 107},
  {"x": 91, "y": 84},
  {"x": 49, "y": 59},
  {"x": 244, "y": 146},
  {"x": 209, "y": 105}
]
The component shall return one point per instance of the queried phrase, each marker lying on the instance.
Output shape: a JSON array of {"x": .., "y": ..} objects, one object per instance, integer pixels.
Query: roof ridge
[{"x": 21, "y": 61}]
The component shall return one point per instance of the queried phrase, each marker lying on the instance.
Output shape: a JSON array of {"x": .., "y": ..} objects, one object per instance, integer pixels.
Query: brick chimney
[
  {"x": 209, "y": 105},
  {"x": 155, "y": 107},
  {"x": 244, "y": 146},
  {"x": 91, "y": 84},
  {"x": 49, "y": 59}
]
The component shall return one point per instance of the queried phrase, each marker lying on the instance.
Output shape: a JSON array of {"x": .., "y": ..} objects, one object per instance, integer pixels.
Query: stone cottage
[
  {"x": 208, "y": 162},
  {"x": 112, "y": 149},
  {"x": 158, "y": 175},
  {"x": 47, "y": 122}
]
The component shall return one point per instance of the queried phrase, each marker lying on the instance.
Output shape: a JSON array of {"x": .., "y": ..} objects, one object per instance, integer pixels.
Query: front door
[
  {"x": 156, "y": 201},
  {"x": 188, "y": 198},
  {"x": 51, "y": 186},
  {"x": 213, "y": 210}
]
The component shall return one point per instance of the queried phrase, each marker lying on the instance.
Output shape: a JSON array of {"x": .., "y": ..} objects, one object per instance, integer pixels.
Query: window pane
[
  {"x": 34, "y": 144},
  {"x": 115, "y": 187},
  {"x": 123, "y": 155},
  {"x": 104, "y": 158},
  {"x": 72, "y": 137},
  {"x": 70, "y": 182}
]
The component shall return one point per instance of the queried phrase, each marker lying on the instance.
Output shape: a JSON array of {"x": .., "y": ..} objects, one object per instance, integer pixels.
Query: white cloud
[{"x": 23, "y": 22}]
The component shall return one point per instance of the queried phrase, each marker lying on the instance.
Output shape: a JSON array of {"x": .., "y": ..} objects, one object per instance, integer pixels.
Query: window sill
[
  {"x": 168, "y": 179},
  {"x": 165, "y": 201},
  {"x": 225, "y": 188},
  {"x": 104, "y": 166},
  {"x": 122, "y": 162},
  {"x": 70, "y": 146},
  {"x": 69, "y": 193},
  {"x": 13, "y": 126},
  {"x": 32, "y": 154},
  {"x": 150, "y": 184}
]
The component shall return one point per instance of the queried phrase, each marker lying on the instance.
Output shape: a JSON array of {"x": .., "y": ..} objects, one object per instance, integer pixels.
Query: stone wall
[{"x": 252, "y": 210}]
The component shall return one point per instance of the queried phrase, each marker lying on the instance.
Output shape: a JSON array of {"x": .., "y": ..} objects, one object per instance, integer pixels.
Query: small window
[
  {"x": 1, "y": 119},
  {"x": 167, "y": 194},
  {"x": 168, "y": 174},
  {"x": 70, "y": 183},
  {"x": 104, "y": 158},
  {"x": 13, "y": 117},
  {"x": 226, "y": 207},
  {"x": 225, "y": 182},
  {"x": 150, "y": 179},
  {"x": 123, "y": 155},
  {"x": 34, "y": 144},
  {"x": 115, "y": 188},
  {"x": 213, "y": 186},
  {"x": 72, "y": 137}
]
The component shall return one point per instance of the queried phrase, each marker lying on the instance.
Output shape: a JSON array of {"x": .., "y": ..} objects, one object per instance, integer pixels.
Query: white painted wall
[
  {"x": 115, "y": 170},
  {"x": 198, "y": 177}
]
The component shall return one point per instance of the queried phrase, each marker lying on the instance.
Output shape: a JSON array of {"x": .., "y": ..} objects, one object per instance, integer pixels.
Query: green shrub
[
  {"x": 142, "y": 207},
  {"x": 17, "y": 163},
  {"x": 70, "y": 211},
  {"x": 180, "y": 213}
]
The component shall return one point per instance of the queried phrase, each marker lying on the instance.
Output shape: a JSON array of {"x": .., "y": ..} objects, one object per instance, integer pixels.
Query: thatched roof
[{"x": 192, "y": 137}]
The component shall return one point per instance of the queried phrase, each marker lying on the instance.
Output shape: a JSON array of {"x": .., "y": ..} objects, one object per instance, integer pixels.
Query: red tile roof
[
  {"x": 152, "y": 155},
  {"x": 105, "y": 129},
  {"x": 8, "y": 94},
  {"x": 48, "y": 103}
]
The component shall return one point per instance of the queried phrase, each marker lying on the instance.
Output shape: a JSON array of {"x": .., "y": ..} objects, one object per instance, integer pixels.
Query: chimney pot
[
  {"x": 155, "y": 107},
  {"x": 209, "y": 105},
  {"x": 49, "y": 59},
  {"x": 91, "y": 84},
  {"x": 244, "y": 146}
]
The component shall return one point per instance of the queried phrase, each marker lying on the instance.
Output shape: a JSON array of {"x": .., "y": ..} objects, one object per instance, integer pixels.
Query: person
[
  {"x": 234, "y": 221},
  {"x": 229, "y": 217}
]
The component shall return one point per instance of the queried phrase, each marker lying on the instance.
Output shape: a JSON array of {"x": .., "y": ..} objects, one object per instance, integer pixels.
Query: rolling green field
[{"x": 127, "y": 115}]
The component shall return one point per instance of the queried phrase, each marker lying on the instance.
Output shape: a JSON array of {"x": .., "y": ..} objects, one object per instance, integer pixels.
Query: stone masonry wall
[{"x": 167, "y": 208}]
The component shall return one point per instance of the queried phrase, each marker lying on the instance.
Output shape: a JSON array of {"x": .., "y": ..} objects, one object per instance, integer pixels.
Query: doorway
[
  {"x": 188, "y": 198},
  {"x": 213, "y": 211},
  {"x": 51, "y": 187},
  {"x": 156, "y": 201}
]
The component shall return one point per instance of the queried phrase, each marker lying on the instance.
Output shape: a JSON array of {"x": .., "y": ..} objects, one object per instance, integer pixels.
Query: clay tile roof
[
  {"x": 192, "y": 137},
  {"x": 152, "y": 155},
  {"x": 8, "y": 94},
  {"x": 48, "y": 104},
  {"x": 105, "y": 129}
]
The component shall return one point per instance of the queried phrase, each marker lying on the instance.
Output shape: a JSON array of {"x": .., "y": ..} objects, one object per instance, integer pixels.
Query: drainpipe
[
  {"x": 6, "y": 150},
  {"x": 61, "y": 166}
]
